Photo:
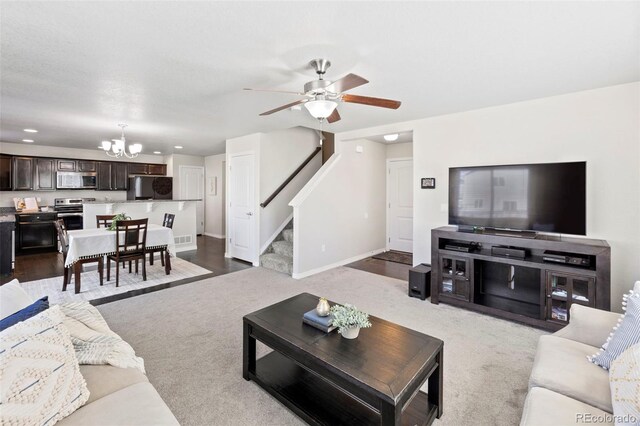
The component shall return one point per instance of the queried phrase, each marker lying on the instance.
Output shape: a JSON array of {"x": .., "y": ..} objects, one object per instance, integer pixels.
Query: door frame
[
  {"x": 256, "y": 191},
  {"x": 204, "y": 218},
  {"x": 388, "y": 202}
]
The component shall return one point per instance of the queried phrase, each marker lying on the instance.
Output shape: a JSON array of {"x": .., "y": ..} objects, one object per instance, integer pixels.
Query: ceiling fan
[{"x": 322, "y": 96}]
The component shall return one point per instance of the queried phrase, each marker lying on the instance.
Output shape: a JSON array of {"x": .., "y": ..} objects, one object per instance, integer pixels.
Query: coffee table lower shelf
[{"x": 319, "y": 402}]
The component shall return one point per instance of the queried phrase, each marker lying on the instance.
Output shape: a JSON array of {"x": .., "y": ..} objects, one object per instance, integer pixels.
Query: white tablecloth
[{"x": 85, "y": 243}]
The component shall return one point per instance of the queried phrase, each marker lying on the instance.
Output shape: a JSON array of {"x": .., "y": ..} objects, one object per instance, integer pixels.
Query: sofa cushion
[
  {"x": 103, "y": 380},
  {"x": 40, "y": 378},
  {"x": 561, "y": 365},
  {"x": 14, "y": 298},
  {"x": 137, "y": 404},
  {"x": 545, "y": 407}
]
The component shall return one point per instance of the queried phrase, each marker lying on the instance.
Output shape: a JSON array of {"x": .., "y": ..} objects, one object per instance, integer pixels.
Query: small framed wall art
[{"x": 428, "y": 183}]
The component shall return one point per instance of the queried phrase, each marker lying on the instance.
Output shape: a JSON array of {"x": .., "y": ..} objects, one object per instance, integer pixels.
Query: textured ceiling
[{"x": 174, "y": 70}]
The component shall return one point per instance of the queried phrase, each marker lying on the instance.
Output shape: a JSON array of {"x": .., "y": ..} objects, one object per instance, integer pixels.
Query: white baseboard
[
  {"x": 297, "y": 276},
  {"x": 275, "y": 234},
  {"x": 209, "y": 234}
]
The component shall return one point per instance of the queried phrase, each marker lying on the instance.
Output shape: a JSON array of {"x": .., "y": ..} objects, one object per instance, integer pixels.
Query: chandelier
[{"x": 118, "y": 148}]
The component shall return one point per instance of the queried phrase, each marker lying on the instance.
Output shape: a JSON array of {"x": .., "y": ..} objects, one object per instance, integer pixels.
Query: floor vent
[{"x": 183, "y": 239}]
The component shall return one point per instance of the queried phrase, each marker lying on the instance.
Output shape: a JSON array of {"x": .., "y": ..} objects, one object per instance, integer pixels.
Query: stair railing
[{"x": 266, "y": 202}]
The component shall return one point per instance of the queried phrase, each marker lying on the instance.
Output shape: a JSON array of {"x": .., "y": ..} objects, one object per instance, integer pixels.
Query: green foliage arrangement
[
  {"x": 348, "y": 316},
  {"x": 116, "y": 218}
]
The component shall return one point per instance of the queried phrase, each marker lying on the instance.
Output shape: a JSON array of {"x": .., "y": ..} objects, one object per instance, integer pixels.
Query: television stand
[
  {"x": 501, "y": 232},
  {"x": 531, "y": 290}
]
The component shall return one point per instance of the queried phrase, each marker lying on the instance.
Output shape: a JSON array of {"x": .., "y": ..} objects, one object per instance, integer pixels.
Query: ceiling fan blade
[
  {"x": 347, "y": 82},
  {"x": 301, "y": 101},
  {"x": 377, "y": 102},
  {"x": 272, "y": 90},
  {"x": 335, "y": 116}
]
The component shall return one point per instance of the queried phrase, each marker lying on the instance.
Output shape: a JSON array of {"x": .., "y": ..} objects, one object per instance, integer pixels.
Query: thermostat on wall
[{"x": 428, "y": 183}]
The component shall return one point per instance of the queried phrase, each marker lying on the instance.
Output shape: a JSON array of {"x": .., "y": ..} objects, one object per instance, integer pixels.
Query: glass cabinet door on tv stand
[
  {"x": 455, "y": 273},
  {"x": 565, "y": 289}
]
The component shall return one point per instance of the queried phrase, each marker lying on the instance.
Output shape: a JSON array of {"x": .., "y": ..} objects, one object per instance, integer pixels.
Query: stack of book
[{"x": 321, "y": 323}]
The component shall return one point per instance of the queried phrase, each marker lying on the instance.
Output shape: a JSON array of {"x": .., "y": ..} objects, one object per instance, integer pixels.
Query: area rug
[
  {"x": 91, "y": 289},
  {"x": 395, "y": 256},
  {"x": 190, "y": 337}
]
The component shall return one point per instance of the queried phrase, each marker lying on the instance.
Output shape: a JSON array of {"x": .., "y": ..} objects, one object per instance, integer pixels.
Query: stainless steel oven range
[{"x": 70, "y": 210}]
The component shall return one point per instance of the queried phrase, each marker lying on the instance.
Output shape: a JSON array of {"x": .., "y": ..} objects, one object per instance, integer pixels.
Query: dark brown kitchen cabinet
[
  {"x": 66, "y": 165},
  {"x": 22, "y": 173},
  {"x": 45, "y": 174},
  {"x": 6, "y": 181},
  {"x": 158, "y": 169},
  {"x": 86, "y": 166},
  {"x": 112, "y": 176},
  {"x": 138, "y": 169}
]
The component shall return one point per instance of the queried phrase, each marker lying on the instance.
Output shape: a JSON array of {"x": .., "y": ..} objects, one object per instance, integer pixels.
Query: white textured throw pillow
[
  {"x": 40, "y": 380},
  {"x": 624, "y": 377},
  {"x": 13, "y": 298}
]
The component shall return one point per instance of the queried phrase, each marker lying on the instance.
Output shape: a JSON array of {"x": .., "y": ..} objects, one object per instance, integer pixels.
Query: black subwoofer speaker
[{"x": 420, "y": 281}]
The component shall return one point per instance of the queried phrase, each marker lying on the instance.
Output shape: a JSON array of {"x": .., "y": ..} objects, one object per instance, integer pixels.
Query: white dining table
[{"x": 98, "y": 242}]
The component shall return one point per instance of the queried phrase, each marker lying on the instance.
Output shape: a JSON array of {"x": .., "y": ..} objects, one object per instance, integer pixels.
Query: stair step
[
  {"x": 277, "y": 262},
  {"x": 287, "y": 234},
  {"x": 284, "y": 248}
]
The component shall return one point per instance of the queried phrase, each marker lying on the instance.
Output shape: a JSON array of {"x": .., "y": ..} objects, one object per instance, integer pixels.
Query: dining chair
[
  {"x": 131, "y": 243},
  {"x": 63, "y": 237},
  {"x": 167, "y": 222},
  {"x": 104, "y": 220}
]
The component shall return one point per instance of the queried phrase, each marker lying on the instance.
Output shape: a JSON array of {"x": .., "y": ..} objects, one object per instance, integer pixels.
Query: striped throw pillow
[{"x": 624, "y": 335}]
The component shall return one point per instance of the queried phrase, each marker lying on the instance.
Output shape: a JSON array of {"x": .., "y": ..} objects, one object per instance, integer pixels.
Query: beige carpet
[
  {"x": 91, "y": 289},
  {"x": 191, "y": 339}
]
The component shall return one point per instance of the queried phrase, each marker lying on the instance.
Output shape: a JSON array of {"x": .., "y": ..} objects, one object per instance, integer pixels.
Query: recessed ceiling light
[
  {"x": 392, "y": 137},
  {"x": 27, "y": 140},
  {"x": 157, "y": 152},
  {"x": 178, "y": 147},
  {"x": 30, "y": 130}
]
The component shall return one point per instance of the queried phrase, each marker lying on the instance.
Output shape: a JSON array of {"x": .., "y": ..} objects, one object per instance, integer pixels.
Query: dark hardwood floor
[
  {"x": 209, "y": 255},
  {"x": 396, "y": 270}
]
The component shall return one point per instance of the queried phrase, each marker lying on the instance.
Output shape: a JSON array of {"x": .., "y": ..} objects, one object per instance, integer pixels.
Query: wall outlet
[
  {"x": 359, "y": 149},
  {"x": 323, "y": 248},
  {"x": 444, "y": 207}
]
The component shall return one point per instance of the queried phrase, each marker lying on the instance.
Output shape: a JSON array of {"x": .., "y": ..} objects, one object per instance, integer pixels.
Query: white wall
[
  {"x": 47, "y": 197},
  {"x": 215, "y": 203},
  {"x": 601, "y": 126},
  {"x": 281, "y": 152},
  {"x": 342, "y": 209},
  {"x": 400, "y": 150}
]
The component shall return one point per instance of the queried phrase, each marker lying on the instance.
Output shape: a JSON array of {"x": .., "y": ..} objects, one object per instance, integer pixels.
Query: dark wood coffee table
[{"x": 328, "y": 380}]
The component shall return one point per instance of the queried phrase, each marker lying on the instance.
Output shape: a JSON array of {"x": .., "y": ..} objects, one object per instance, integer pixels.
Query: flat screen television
[{"x": 547, "y": 197}]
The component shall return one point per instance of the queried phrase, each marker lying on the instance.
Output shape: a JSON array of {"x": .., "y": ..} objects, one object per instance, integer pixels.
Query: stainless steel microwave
[{"x": 76, "y": 180}]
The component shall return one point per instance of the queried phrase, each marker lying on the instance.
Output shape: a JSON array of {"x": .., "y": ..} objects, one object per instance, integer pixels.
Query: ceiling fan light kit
[
  {"x": 118, "y": 147},
  {"x": 323, "y": 96}
]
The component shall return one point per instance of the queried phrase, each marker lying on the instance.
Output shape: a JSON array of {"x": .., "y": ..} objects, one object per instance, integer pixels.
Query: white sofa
[{"x": 564, "y": 387}]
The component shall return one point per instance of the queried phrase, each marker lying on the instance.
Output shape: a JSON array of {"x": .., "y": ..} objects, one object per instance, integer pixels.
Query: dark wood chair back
[
  {"x": 62, "y": 236},
  {"x": 131, "y": 236},
  {"x": 104, "y": 220},
  {"x": 168, "y": 220}
]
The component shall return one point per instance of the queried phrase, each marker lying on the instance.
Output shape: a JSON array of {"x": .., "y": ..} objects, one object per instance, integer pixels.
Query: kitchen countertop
[
  {"x": 7, "y": 218},
  {"x": 140, "y": 201}
]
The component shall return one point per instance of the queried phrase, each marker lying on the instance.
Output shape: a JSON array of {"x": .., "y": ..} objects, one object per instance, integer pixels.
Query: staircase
[{"x": 279, "y": 255}]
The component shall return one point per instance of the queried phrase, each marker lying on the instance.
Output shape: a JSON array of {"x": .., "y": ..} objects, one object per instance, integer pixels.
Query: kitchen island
[{"x": 184, "y": 226}]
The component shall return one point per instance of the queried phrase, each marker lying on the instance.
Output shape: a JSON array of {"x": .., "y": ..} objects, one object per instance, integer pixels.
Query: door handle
[{"x": 249, "y": 214}]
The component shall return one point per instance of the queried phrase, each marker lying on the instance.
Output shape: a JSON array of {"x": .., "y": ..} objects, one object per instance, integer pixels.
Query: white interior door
[
  {"x": 400, "y": 205},
  {"x": 192, "y": 187},
  {"x": 242, "y": 244}
]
